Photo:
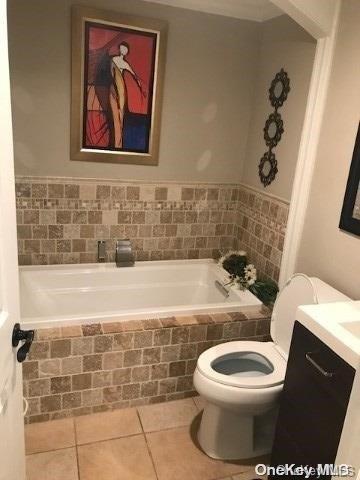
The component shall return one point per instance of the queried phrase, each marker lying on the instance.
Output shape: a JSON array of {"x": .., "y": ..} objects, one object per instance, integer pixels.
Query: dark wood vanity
[{"x": 313, "y": 404}]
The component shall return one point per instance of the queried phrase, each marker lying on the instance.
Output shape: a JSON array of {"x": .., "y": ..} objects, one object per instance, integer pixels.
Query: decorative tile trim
[
  {"x": 263, "y": 193},
  {"x": 114, "y": 181},
  {"x": 84, "y": 369}
]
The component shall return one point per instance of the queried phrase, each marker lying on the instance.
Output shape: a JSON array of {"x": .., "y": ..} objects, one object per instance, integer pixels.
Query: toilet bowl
[{"x": 242, "y": 381}]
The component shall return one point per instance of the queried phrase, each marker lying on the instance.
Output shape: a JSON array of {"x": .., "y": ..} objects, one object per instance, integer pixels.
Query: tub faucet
[
  {"x": 124, "y": 256},
  {"x": 101, "y": 252}
]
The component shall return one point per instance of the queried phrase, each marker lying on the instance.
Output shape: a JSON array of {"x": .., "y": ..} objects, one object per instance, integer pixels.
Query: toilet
[{"x": 242, "y": 381}]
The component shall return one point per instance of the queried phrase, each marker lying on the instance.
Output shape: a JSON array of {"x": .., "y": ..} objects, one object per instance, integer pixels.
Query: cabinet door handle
[{"x": 318, "y": 367}]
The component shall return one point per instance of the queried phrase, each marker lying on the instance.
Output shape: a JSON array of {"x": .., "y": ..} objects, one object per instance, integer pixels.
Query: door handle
[
  {"x": 26, "y": 336},
  {"x": 318, "y": 367}
]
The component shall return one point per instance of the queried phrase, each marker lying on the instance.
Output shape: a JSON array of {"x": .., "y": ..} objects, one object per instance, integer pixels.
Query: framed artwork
[
  {"x": 117, "y": 80},
  {"x": 350, "y": 214}
]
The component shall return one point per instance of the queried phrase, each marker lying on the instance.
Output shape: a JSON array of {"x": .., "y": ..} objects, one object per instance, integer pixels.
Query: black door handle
[{"x": 26, "y": 336}]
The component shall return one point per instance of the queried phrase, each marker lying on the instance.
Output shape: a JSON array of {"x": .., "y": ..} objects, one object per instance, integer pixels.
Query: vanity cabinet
[{"x": 313, "y": 404}]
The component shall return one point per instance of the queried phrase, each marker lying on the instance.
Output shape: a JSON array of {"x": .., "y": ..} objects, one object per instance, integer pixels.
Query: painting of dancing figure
[{"x": 118, "y": 66}]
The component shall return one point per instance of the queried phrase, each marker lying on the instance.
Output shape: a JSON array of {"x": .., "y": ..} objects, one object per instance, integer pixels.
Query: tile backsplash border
[{"x": 60, "y": 220}]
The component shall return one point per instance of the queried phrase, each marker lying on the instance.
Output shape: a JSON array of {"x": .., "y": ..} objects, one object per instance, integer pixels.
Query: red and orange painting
[{"x": 118, "y": 87}]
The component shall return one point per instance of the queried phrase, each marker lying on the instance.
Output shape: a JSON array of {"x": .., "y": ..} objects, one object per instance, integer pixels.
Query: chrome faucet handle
[
  {"x": 101, "y": 252},
  {"x": 124, "y": 256}
]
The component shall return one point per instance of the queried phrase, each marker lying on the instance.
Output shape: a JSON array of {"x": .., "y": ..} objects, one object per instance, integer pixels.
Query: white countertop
[{"x": 328, "y": 322}]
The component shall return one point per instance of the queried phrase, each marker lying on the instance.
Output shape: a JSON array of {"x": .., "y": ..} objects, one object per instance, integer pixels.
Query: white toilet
[{"x": 241, "y": 381}]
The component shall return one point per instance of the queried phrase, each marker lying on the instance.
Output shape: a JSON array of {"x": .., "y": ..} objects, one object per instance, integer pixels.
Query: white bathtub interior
[{"x": 67, "y": 294}]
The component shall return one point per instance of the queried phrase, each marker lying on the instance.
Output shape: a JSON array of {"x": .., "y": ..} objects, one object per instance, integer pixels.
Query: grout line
[
  {"x": 139, "y": 417},
  {"x": 77, "y": 461},
  {"x": 75, "y": 430},
  {"x": 151, "y": 456},
  {"x": 197, "y": 408},
  {"x": 147, "y": 444},
  {"x": 110, "y": 439},
  {"x": 166, "y": 429},
  {"x": 48, "y": 451},
  {"x": 76, "y": 448}
]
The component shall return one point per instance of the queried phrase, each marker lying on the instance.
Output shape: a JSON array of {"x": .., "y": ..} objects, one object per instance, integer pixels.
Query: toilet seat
[{"x": 208, "y": 359}]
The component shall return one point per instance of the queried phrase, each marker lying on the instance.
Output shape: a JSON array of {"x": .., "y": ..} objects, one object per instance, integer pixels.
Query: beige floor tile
[
  {"x": 176, "y": 456},
  {"x": 46, "y": 436},
  {"x": 200, "y": 402},
  {"x": 167, "y": 415},
  {"x": 56, "y": 465},
  {"x": 124, "y": 458},
  {"x": 108, "y": 425},
  {"x": 249, "y": 475}
]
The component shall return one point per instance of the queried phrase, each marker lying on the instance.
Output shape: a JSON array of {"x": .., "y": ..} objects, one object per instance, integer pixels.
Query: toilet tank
[{"x": 298, "y": 290}]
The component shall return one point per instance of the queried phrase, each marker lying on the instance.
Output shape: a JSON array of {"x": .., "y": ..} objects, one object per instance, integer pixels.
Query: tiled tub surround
[
  {"x": 60, "y": 220},
  {"x": 77, "y": 370},
  {"x": 260, "y": 230}
]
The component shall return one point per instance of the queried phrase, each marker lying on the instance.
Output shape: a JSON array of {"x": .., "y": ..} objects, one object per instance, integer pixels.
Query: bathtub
[{"x": 61, "y": 295}]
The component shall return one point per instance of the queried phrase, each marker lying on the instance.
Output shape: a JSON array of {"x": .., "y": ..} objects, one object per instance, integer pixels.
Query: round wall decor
[
  {"x": 274, "y": 128},
  {"x": 279, "y": 89},
  {"x": 268, "y": 168}
]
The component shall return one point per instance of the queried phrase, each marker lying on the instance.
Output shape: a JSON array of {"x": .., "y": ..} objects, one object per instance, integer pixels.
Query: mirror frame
[
  {"x": 274, "y": 117},
  {"x": 282, "y": 77},
  {"x": 269, "y": 178},
  {"x": 347, "y": 221}
]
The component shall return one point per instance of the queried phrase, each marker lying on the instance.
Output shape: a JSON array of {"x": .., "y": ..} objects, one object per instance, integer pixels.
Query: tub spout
[
  {"x": 124, "y": 256},
  {"x": 222, "y": 288}
]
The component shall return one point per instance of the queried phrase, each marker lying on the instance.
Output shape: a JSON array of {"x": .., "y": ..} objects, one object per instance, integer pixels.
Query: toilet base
[{"x": 229, "y": 435}]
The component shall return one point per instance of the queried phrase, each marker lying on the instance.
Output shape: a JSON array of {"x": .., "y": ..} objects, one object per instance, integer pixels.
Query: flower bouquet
[{"x": 244, "y": 275}]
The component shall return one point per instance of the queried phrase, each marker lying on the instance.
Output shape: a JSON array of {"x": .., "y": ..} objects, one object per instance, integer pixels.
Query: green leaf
[{"x": 265, "y": 290}]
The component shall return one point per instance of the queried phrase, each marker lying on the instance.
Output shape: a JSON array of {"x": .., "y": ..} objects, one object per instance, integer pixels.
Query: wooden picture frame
[
  {"x": 350, "y": 214},
  {"x": 117, "y": 79}
]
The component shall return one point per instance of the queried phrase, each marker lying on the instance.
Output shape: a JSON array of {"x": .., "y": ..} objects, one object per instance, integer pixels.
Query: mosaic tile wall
[
  {"x": 84, "y": 369},
  {"x": 60, "y": 220},
  {"x": 260, "y": 230}
]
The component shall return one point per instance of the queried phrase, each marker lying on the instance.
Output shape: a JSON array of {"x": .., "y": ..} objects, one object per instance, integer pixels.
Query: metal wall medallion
[
  {"x": 279, "y": 89},
  {"x": 268, "y": 168},
  {"x": 274, "y": 127}
]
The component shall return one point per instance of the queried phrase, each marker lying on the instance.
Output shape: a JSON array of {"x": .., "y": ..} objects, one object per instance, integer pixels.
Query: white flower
[
  {"x": 221, "y": 260},
  {"x": 250, "y": 274}
]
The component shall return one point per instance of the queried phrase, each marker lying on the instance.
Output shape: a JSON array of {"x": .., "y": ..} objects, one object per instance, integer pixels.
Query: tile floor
[{"x": 153, "y": 442}]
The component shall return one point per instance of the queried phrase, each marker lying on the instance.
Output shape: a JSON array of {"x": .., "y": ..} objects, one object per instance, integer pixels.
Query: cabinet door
[{"x": 313, "y": 404}]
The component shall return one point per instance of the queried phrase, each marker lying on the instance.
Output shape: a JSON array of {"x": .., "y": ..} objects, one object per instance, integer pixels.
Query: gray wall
[
  {"x": 207, "y": 97},
  {"x": 325, "y": 250},
  {"x": 286, "y": 45}
]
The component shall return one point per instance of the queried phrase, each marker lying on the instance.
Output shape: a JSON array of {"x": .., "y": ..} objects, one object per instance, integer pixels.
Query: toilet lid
[
  {"x": 299, "y": 290},
  {"x": 209, "y": 359}
]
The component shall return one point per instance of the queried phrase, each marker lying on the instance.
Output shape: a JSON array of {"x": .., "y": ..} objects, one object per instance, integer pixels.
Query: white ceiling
[{"x": 256, "y": 10}]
